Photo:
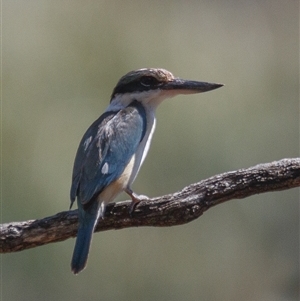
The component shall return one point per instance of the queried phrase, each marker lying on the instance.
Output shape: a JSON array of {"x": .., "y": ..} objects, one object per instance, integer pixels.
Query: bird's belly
[{"x": 117, "y": 186}]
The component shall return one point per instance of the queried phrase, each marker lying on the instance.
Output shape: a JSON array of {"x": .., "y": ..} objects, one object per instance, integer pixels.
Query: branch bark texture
[{"x": 169, "y": 210}]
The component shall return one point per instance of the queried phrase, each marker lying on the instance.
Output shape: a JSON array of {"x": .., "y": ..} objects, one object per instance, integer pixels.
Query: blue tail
[{"x": 87, "y": 221}]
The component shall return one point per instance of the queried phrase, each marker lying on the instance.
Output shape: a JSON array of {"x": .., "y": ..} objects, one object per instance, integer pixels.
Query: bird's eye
[{"x": 149, "y": 81}]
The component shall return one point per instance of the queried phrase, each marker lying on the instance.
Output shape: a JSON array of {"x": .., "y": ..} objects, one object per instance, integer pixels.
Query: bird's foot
[{"x": 136, "y": 198}]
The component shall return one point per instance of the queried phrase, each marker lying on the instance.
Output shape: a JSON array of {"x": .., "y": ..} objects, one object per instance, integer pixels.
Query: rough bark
[{"x": 169, "y": 210}]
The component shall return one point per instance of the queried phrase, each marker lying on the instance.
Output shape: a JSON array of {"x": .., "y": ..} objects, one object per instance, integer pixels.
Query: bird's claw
[{"x": 135, "y": 200}]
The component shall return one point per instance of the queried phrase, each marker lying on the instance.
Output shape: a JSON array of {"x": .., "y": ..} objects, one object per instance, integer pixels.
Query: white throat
[{"x": 150, "y": 99}]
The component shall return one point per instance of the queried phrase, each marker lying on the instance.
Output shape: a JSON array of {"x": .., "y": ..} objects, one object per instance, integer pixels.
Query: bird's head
[{"x": 151, "y": 86}]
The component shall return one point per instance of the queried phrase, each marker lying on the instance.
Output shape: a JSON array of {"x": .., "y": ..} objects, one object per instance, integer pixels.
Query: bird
[{"x": 114, "y": 147}]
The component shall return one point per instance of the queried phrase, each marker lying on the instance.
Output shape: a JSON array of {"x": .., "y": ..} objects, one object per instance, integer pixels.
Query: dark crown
[{"x": 142, "y": 80}]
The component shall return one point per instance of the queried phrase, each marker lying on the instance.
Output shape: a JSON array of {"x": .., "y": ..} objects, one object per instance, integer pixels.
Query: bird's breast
[
  {"x": 144, "y": 146},
  {"x": 131, "y": 170}
]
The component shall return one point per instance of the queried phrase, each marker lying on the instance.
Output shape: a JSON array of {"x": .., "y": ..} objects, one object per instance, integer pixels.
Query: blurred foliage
[{"x": 60, "y": 62}]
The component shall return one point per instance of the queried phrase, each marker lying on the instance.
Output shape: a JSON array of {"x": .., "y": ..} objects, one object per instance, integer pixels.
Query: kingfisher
[{"x": 114, "y": 147}]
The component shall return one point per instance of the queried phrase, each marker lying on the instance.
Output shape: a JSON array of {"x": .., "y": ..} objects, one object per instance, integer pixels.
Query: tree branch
[{"x": 169, "y": 210}]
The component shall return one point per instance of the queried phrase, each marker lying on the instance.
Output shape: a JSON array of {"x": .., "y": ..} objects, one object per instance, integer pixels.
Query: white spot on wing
[
  {"x": 87, "y": 143},
  {"x": 104, "y": 169}
]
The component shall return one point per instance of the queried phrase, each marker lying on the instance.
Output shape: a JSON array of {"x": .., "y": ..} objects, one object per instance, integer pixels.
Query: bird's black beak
[{"x": 182, "y": 86}]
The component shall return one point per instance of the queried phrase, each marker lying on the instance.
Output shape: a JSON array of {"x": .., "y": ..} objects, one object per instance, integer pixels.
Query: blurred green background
[{"x": 61, "y": 60}]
